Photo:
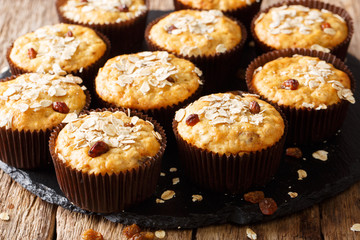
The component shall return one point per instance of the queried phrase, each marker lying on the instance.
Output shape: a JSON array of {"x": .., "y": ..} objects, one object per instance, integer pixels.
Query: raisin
[
  {"x": 123, "y": 8},
  {"x": 170, "y": 79},
  {"x": 268, "y": 206},
  {"x": 254, "y": 197},
  {"x": 32, "y": 53},
  {"x": 294, "y": 152},
  {"x": 171, "y": 28},
  {"x": 290, "y": 84},
  {"x": 84, "y": 1},
  {"x": 69, "y": 34},
  {"x": 98, "y": 148},
  {"x": 325, "y": 25},
  {"x": 192, "y": 119},
  {"x": 131, "y": 230},
  {"x": 91, "y": 235},
  {"x": 129, "y": 125},
  {"x": 254, "y": 107},
  {"x": 60, "y": 107}
]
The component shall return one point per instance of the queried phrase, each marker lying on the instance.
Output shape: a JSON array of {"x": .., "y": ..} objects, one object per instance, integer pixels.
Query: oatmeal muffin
[
  {"x": 207, "y": 38},
  {"x": 157, "y": 83},
  {"x": 304, "y": 24},
  {"x": 31, "y": 105},
  {"x": 123, "y": 21},
  {"x": 242, "y": 10},
  {"x": 313, "y": 90},
  {"x": 59, "y": 49},
  {"x": 230, "y": 142},
  {"x": 115, "y": 150}
]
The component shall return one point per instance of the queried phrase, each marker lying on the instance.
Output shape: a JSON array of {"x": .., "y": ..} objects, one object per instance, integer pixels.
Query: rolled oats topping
[
  {"x": 103, "y": 11},
  {"x": 33, "y": 92}
]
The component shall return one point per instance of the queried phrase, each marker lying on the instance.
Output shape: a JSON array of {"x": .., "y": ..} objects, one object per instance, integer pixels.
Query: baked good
[
  {"x": 303, "y": 24},
  {"x": 123, "y": 21},
  {"x": 207, "y": 38},
  {"x": 313, "y": 89},
  {"x": 112, "y": 148},
  {"x": 230, "y": 142},
  {"x": 242, "y": 10},
  {"x": 59, "y": 49},
  {"x": 31, "y": 105},
  {"x": 156, "y": 83}
]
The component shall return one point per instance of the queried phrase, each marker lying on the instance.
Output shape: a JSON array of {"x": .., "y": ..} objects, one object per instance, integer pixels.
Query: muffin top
[
  {"x": 58, "y": 49},
  {"x": 302, "y": 82},
  {"x": 300, "y": 27},
  {"x": 223, "y": 5},
  {"x": 102, "y": 11},
  {"x": 226, "y": 123},
  {"x": 37, "y": 102},
  {"x": 147, "y": 80},
  {"x": 194, "y": 33},
  {"x": 129, "y": 141}
]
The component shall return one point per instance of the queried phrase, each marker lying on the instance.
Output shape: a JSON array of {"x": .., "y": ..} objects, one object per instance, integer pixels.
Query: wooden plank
[
  {"x": 71, "y": 225},
  {"x": 302, "y": 225},
  {"x": 30, "y": 217},
  {"x": 340, "y": 213}
]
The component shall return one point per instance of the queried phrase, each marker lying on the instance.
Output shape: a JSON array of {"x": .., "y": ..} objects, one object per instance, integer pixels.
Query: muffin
[
  {"x": 229, "y": 142},
  {"x": 312, "y": 88},
  {"x": 123, "y": 21},
  {"x": 304, "y": 24},
  {"x": 117, "y": 150},
  {"x": 207, "y": 38},
  {"x": 156, "y": 83},
  {"x": 242, "y": 10},
  {"x": 31, "y": 105},
  {"x": 60, "y": 49}
]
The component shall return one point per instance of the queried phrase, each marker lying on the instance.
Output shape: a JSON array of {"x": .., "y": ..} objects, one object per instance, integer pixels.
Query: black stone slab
[{"x": 325, "y": 179}]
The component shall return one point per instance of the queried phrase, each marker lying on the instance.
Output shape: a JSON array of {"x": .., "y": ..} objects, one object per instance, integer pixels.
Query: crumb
[
  {"x": 294, "y": 152},
  {"x": 302, "y": 174},
  {"x": 355, "y": 227},
  {"x": 131, "y": 230},
  {"x": 320, "y": 155},
  {"x": 197, "y": 198},
  {"x": 167, "y": 195},
  {"x": 4, "y": 216},
  {"x": 158, "y": 200},
  {"x": 293, "y": 194},
  {"x": 11, "y": 206},
  {"x": 251, "y": 234},
  {"x": 160, "y": 234},
  {"x": 254, "y": 197},
  {"x": 175, "y": 181}
]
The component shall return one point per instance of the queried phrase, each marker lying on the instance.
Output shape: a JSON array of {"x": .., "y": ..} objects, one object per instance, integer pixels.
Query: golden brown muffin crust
[{"x": 223, "y": 5}]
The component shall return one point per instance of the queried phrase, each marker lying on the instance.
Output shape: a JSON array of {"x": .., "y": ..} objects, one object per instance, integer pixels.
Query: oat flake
[
  {"x": 160, "y": 234},
  {"x": 321, "y": 155},
  {"x": 197, "y": 198},
  {"x": 251, "y": 234},
  {"x": 167, "y": 195},
  {"x": 4, "y": 216},
  {"x": 355, "y": 227},
  {"x": 302, "y": 174}
]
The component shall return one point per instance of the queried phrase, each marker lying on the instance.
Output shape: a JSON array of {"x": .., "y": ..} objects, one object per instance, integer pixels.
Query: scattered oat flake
[
  {"x": 220, "y": 48},
  {"x": 251, "y": 234},
  {"x": 160, "y": 234},
  {"x": 197, "y": 198},
  {"x": 321, "y": 155},
  {"x": 180, "y": 115},
  {"x": 355, "y": 227},
  {"x": 162, "y": 174},
  {"x": 167, "y": 195},
  {"x": 4, "y": 216},
  {"x": 302, "y": 174},
  {"x": 175, "y": 181},
  {"x": 173, "y": 169},
  {"x": 158, "y": 200},
  {"x": 293, "y": 194}
]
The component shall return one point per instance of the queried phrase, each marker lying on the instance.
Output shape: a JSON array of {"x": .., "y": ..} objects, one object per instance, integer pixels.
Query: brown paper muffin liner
[
  {"x": 125, "y": 37},
  {"x": 216, "y": 68},
  {"x": 110, "y": 192},
  {"x": 306, "y": 125},
  {"x": 339, "y": 51},
  {"x": 27, "y": 149},
  {"x": 243, "y": 14},
  {"x": 87, "y": 74},
  {"x": 232, "y": 173}
]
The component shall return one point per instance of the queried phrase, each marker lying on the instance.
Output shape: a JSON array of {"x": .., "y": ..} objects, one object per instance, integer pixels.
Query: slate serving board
[{"x": 325, "y": 179}]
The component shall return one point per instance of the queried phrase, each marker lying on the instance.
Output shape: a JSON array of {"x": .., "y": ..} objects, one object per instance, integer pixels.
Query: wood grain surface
[{"x": 32, "y": 218}]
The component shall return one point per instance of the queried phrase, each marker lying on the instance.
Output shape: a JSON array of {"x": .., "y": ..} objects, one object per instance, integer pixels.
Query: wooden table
[{"x": 32, "y": 218}]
